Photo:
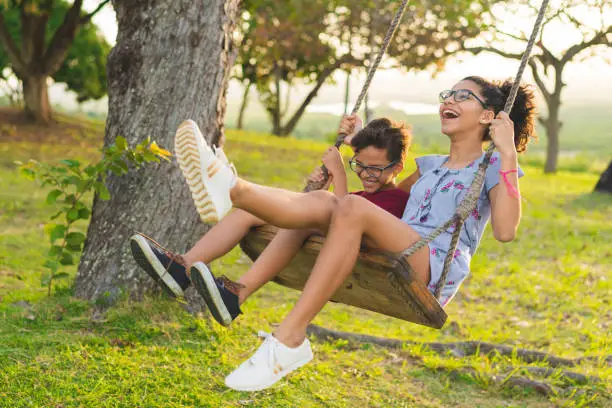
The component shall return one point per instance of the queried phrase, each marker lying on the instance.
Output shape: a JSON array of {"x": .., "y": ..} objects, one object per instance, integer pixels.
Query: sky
[{"x": 590, "y": 80}]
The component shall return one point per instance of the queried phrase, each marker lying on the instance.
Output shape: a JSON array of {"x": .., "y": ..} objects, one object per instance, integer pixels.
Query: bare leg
[
  {"x": 221, "y": 238},
  {"x": 283, "y": 208},
  {"x": 354, "y": 218},
  {"x": 277, "y": 255}
]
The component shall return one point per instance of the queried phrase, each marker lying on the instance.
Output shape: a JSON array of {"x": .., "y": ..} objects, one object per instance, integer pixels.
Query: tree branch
[
  {"x": 601, "y": 38},
  {"x": 557, "y": 13},
  {"x": 478, "y": 50},
  {"x": 514, "y": 36},
  {"x": 568, "y": 375},
  {"x": 11, "y": 49},
  {"x": 458, "y": 349},
  {"x": 511, "y": 381},
  {"x": 548, "y": 57},
  {"x": 322, "y": 77},
  {"x": 62, "y": 39},
  {"x": 539, "y": 81},
  {"x": 572, "y": 19},
  {"x": 86, "y": 18}
]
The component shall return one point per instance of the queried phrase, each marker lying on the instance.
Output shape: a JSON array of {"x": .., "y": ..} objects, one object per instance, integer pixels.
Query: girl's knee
[
  {"x": 349, "y": 206},
  {"x": 326, "y": 196},
  {"x": 326, "y": 199}
]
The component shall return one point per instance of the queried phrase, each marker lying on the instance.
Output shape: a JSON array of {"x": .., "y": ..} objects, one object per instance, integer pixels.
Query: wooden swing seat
[{"x": 373, "y": 285}]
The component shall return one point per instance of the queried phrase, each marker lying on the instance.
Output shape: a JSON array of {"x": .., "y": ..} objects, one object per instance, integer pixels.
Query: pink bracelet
[{"x": 513, "y": 191}]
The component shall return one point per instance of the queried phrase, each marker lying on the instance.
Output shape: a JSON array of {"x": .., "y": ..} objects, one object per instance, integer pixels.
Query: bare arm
[
  {"x": 332, "y": 159},
  {"x": 505, "y": 197},
  {"x": 505, "y": 204},
  {"x": 340, "y": 185},
  {"x": 409, "y": 181}
]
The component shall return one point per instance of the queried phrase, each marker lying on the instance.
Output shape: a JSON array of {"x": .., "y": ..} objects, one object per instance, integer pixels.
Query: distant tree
[
  {"x": 590, "y": 20},
  {"x": 42, "y": 39},
  {"x": 605, "y": 181},
  {"x": 286, "y": 43}
]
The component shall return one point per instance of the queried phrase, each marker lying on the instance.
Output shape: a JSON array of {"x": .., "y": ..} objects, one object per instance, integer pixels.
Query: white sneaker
[
  {"x": 209, "y": 177},
  {"x": 271, "y": 362}
]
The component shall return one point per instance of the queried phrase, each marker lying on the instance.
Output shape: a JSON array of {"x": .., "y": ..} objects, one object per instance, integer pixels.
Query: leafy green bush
[{"x": 71, "y": 181}]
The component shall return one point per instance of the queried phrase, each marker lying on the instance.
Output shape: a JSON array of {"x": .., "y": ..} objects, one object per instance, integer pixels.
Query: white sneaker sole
[
  {"x": 207, "y": 288},
  {"x": 274, "y": 379},
  {"x": 193, "y": 156},
  {"x": 147, "y": 260}
]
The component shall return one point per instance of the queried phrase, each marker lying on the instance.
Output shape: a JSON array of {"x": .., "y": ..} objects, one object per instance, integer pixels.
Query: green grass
[{"x": 549, "y": 290}]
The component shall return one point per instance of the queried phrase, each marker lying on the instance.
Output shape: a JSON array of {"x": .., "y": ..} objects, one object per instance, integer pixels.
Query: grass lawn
[{"x": 549, "y": 290}]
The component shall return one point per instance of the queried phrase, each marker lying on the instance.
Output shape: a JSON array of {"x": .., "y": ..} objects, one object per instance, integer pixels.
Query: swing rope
[
  {"x": 470, "y": 200},
  {"x": 383, "y": 49}
]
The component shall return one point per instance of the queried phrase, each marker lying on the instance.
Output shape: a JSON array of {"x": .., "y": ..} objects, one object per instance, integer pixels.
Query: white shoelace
[
  {"x": 270, "y": 359},
  {"x": 220, "y": 154}
]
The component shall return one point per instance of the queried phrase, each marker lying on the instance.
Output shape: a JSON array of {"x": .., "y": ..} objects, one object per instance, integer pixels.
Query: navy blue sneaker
[
  {"x": 220, "y": 294},
  {"x": 167, "y": 268}
]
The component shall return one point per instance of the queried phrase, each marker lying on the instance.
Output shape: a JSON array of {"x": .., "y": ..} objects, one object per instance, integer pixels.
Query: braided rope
[
  {"x": 468, "y": 203},
  {"x": 312, "y": 185}
]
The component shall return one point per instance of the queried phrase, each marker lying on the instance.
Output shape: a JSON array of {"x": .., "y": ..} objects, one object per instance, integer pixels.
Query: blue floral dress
[{"x": 434, "y": 199}]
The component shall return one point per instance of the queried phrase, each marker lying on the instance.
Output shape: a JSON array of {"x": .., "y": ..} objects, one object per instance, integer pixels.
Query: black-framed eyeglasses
[
  {"x": 372, "y": 171},
  {"x": 460, "y": 95}
]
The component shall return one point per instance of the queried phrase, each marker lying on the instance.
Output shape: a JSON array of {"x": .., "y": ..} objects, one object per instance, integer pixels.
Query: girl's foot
[
  {"x": 208, "y": 174},
  {"x": 271, "y": 362},
  {"x": 220, "y": 294},
  {"x": 167, "y": 268}
]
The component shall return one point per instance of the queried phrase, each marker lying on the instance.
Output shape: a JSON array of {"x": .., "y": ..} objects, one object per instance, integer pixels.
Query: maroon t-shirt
[{"x": 393, "y": 200}]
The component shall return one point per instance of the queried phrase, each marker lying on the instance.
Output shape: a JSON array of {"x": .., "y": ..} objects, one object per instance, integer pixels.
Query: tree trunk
[
  {"x": 552, "y": 123},
  {"x": 604, "y": 184},
  {"x": 243, "y": 105},
  {"x": 292, "y": 123},
  {"x": 276, "y": 110},
  {"x": 36, "y": 99},
  {"x": 553, "y": 128},
  {"x": 171, "y": 62}
]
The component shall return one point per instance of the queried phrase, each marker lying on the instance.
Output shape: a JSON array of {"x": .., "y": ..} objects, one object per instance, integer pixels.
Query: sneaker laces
[
  {"x": 230, "y": 285},
  {"x": 220, "y": 154},
  {"x": 174, "y": 258},
  {"x": 260, "y": 354}
]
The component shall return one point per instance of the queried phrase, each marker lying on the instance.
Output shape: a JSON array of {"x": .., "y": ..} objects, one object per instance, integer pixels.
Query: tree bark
[
  {"x": 36, "y": 99},
  {"x": 604, "y": 184},
  {"x": 37, "y": 107},
  {"x": 276, "y": 110},
  {"x": 552, "y": 123},
  {"x": 243, "y": 105},
  {"x": 171, "y": 62},
  {"x": 553, "y": 128}
]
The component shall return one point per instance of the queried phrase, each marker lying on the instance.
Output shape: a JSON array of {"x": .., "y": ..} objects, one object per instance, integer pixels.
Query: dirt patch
[{"x": 64, "y": 129}]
